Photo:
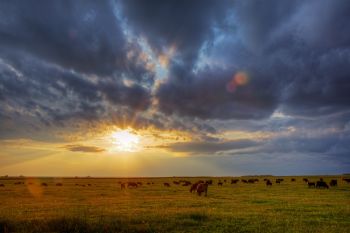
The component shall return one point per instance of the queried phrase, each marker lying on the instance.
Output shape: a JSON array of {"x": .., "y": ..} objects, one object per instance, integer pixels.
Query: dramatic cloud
[{"x": 216, "y": 70}]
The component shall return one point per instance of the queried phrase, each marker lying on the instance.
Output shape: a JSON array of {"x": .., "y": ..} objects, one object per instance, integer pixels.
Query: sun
[{"x": 127, "y": 141}]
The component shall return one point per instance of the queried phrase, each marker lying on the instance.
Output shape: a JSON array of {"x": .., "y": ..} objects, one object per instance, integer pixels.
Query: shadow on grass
[{"x": 74, "y": 225}]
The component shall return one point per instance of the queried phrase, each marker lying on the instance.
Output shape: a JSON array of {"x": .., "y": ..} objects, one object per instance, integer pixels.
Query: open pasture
[{"x": 100, "y": 205}]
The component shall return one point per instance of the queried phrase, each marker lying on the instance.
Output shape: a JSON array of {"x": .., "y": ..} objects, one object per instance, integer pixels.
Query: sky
[{"x": 174, "y": 88}]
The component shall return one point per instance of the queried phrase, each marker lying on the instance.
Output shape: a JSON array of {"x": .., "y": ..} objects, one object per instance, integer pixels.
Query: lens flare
[
  {"x": 34, "y": 187},
  {"x": 239, "y": 79}
]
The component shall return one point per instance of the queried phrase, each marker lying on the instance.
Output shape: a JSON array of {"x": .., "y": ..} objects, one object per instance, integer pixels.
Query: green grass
[{"x": 104, "y": 207}]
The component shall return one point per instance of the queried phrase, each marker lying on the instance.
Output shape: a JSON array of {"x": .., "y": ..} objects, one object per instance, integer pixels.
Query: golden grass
[{"x": 104, "y": 207}]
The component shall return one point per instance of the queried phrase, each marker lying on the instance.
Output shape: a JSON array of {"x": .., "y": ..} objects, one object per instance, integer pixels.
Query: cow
[
  {"x": 244, "y": 181},
  {"x": 251, "y": 181},
  {"x": 59, "y": 184},
  {"x": 187, "y": 183},
  {"x": 305, "y": 180},
  {"x": 193, "y": 187},
  {"x": 122, "y": 186},
  {"x": 132, "y": 185},
  {"x": 44, "y": 184},
  {"x": 176, "y": 182},
  {"x": 202, "y": 187},
  {"x": 347, "y": 180},
  {"x": 268, "y": 183},
  {"x": 220, "y": 183},
  {"x": 166, "y": 184},
  {"x": 333, "y": 183},
  {"x": 321, "y": 184},
  {"x": 311, "y": 184},
  {"x": 2, "y": 185},
  {"x": 234, "y": 181},
  {"x": 293, "y": 179},
  {"x": 209, "y": 182},
  {"x": 279, "y": 180},
  {"x": 139, "y": 183}
]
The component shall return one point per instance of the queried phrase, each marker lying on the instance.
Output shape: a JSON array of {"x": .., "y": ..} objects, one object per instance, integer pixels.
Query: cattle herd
[{"x": 201, "y": 186}]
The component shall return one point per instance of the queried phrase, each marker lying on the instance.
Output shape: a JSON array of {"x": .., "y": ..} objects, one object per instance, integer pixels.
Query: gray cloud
[
  {"x": 82, "y": 148},
  {"x": 205, "y": 148}
]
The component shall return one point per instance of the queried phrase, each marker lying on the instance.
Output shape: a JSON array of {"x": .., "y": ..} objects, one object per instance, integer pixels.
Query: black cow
[
  {"x": 333, "y": 183},
  {"x": 321, "y": 184},
  {"x": 311, "y": 184}
]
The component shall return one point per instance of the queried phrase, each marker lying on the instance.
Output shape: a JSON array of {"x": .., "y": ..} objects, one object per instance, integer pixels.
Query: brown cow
[
  {"x": 347, "y": 180},
  {"x": 2, "y": 185},
  {"x": 268, "y": 183},
  {"x": 166, "y": 184},
  {"x": 311, "y": 184},
  {"x": 132, "y": 185},
  {"x": 202, "y": 187}
]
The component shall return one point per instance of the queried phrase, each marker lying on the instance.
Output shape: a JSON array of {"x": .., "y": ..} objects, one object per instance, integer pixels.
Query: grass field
[{"x": 104, "y": 207}]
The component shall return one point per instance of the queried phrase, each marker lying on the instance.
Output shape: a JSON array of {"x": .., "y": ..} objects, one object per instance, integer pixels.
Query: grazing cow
[
  {"x": 251, "y": 181},
  {"x": 311, "y": 184},
  {"x": 244, "y": 181},
  {"x": 305, "y": 180},
  {"x": 166, "y": 184},
  {"x": 347, "y": 180},
  {"x": 194, "y": 187},
  {"x": 220, "y": 183},
  {"x": 321, "y": 184},
  {"x": 234, "y": 181},
  {"x": 44, "y": 184},
  {"x": 278, "y": 181},
  {"x": 268, "y": 183},
  {"x": 89, "y": 184},
  {"x": 122, "y": 186},
  {"x": 209, "y": 182},
  {"x": 333, "y": 183},
  {"x": 176, "y": 182},
  {"x": 187, "y": 183},
  {"x": 293, "y": 180},
  {"x": 132, "y": 185},
  {"x": 2, "y": 185},
  {"x": 148, "y": 183},
  {"x": 224, "y": 181},
  {"x": 202, "y": 187},
  {"x": 59, "y": 184}
]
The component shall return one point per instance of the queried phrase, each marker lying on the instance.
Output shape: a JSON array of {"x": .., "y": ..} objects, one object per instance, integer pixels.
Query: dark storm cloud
[
  {"x": 38, "y": 91},
  {"x": 82, "y": 148},
  {"x": 83, "y": 35},
  {"x": 185, "y": 24},
  {"x": 294, "y": 60}
]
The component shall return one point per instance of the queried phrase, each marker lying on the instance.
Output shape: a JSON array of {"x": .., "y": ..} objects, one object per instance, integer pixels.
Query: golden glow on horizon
[{"x": 126, "y": 140}]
